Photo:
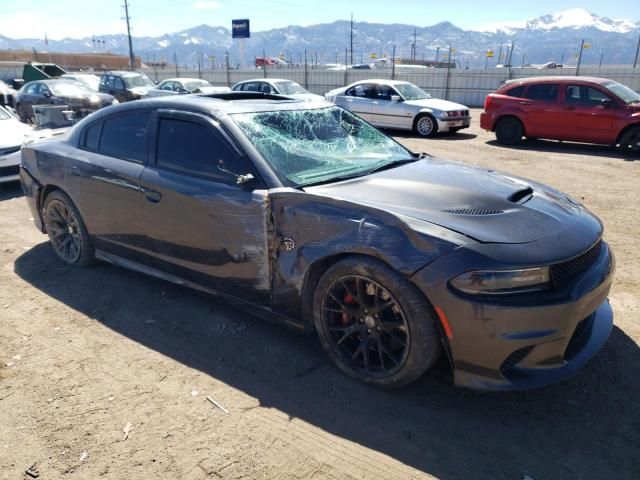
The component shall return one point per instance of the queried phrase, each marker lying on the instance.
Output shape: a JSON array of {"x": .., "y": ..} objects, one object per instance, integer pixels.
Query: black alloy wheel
[
  {"x": 375, "y": 325},
  {"x": 66, "y": 231},
  {"x": 366, "y": 325}
]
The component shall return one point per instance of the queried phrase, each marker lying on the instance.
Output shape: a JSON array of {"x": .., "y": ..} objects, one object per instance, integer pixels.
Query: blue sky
[{"x": 77, "y": 18}]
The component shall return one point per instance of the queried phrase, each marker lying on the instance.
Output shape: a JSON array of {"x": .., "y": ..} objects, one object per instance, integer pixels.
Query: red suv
[{"x": 580, "y": 109}]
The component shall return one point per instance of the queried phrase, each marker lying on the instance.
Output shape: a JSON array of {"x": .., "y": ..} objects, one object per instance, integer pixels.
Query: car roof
[
  {"x": 382, "y": 81},
  {"x": 52, "y": 81},
  {"x": 183, "y": 79},
  {"x": 219, "y": 104},
  {"x": 123, "y": 73},
  {"x": 268, "y": 80},
  {"x": 558, "y": 78}
]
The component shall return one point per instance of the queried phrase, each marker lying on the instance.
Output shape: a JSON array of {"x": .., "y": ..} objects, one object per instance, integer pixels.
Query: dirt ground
[{"x": 86, "y": 352}]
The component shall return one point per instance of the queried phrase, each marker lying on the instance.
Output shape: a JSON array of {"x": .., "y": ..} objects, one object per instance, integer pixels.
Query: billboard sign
[{"x": 240, "y": 28}]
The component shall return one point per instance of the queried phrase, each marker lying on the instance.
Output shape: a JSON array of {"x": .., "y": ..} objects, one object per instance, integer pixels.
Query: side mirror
[
  {"x": 46, "y": 94},
  {"x": 240, "y": 179},
  {"x": 396, "y": 98},
  {"x": 184, "y": 90},
  {"x": 606, "y": 103}
]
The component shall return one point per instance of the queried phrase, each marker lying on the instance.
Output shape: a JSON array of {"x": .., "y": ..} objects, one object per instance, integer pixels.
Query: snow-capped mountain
[
  {"x": 555, "y": 37},
  {"x": 575, "y": 18}
]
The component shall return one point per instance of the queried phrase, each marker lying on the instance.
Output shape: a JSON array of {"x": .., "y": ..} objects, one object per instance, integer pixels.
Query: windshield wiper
[{"x": 393, "y": 164}]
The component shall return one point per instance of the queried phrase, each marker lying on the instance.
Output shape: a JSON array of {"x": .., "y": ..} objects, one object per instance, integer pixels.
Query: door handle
[
  {"x": 524, "y": 102},
  {"x": 152, "y": 195},
  {"x": 569, "y": 107}
]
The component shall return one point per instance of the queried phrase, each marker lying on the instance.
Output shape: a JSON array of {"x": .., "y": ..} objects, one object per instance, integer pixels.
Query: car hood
[
  {"x": 436, "y": 104},
  {"x": 140, "y": 90},
  {"x": 482, "y": 204},
  {"x": 12, "y": 133}
]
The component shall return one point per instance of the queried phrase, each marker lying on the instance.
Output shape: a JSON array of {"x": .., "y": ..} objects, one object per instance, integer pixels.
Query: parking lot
[{"x": 105, "y": 373}]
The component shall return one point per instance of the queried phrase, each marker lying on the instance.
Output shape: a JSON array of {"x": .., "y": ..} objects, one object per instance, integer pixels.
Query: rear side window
[
  {"x": 92, "y": 136},
  {"x": 119, "y": 84},
  {"x": 195, "y": 148},
  {"x": 546, "y": 92},
  {"x": 123, "y": 136},
  {"x": 515, "y": 91}
]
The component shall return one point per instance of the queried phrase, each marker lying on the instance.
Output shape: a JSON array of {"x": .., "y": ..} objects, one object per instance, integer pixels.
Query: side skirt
[{"x": 257, "y": 310}]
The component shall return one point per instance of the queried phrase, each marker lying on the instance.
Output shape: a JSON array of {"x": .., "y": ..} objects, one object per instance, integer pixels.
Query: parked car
[
  {"x": 278, "y": 86},
  {"x": 304, "y": 213},
  {"x": 89, "y": 79},
  {"x": 79, "y": 98},
  {"x": 12, "y": 135},
  {"x": 396, "y": 104},
  {"x": 7, "y": 95},
  {"x": 126, "y": 86},
  {"x": 580, "y": 109},
  {"x": 177, "y": 86}
]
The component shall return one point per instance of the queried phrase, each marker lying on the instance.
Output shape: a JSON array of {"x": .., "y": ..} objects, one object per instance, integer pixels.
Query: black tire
[
  {"x": 630, "y": 143},
  {"x": 509, "y": 131},
  {"x": 67, "y": 232},
  {"x": 425, "y": 125},
  {"x": 361, "y": 335}
]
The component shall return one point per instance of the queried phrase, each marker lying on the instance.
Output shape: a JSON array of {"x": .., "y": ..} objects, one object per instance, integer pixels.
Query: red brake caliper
[{"x": 345, "y": 316}]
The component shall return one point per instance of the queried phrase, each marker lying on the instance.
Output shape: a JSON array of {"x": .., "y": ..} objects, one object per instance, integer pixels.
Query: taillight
[{"x": 487, "y": 102}]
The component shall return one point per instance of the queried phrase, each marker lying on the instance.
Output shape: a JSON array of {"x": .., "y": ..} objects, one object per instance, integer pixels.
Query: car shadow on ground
[
  {"x": 10, "y": 190},
  {"x": 555, "y": 146},
  {"x": 587, "y": 427},
  {"x": 437, "y": 136}
]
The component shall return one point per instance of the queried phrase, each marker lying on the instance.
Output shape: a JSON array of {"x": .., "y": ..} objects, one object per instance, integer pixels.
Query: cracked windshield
[{"x": 317, "y": 146}]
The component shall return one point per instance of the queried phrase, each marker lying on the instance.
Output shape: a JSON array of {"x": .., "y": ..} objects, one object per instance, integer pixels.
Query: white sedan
[
  {"x": 277, "y": 86},
  {"x": 177, "y": 86},
  {"x": 12, "y": 136},
  {"x": 402, "y": 105}
]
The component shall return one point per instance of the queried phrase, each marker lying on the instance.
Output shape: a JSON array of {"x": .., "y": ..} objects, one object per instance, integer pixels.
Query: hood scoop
[
  {"x": 473, "y": 211},
  {"x": 521, "y": 196}
]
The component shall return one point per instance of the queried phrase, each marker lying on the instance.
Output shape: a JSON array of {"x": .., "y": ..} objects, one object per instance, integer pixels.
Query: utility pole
[
  {"x": 132, "y": 59},
  {"x": 413, "y": 47},
  {"x": 437, "y": 55},
  {"x": 635, "y": 59},
  {"x": 175, "y": 62},
  {"x": 601, "y": 57},
  {"x": 351, "y": 38},
  {"x": 580, "y": 58}
]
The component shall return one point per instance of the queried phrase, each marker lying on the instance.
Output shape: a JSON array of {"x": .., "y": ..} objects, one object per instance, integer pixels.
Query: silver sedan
[
  {"x": 176, "y": 86},
  {"x": 402, "y": 105}
]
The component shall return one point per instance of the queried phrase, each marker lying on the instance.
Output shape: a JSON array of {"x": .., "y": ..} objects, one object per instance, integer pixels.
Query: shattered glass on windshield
[{"x": 316, "y": 146}]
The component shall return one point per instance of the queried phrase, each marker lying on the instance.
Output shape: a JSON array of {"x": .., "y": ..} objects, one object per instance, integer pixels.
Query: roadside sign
[
  {"x": 489, "y": 53},
  {"x": 373, "y": 55},
  {"x": 586, "y": 45},
  {"x": 240, "y": 28}
]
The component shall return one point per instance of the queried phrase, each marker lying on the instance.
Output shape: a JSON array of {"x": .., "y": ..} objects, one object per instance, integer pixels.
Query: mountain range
[{"x": 554, "y": 37}]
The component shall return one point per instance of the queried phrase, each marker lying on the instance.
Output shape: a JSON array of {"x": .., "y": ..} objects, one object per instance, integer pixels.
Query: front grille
[
  {"x": 580, "y": 337},
  {"x": 562, "y": 273},
  {"x": 515, "y": 358},
  {"x": 8, "y": 150},
  {"x": 473, "y": 211},
  {"x": 9, "y": 171}
]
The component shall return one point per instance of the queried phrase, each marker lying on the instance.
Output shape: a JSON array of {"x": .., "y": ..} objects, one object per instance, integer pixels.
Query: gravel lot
[{"x": 85, "y": 352}]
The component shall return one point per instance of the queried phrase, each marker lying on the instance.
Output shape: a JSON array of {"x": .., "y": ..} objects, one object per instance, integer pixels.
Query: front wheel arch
[
  {"x": 421, "y": 115},
  {"x": 625, "y": 130}
]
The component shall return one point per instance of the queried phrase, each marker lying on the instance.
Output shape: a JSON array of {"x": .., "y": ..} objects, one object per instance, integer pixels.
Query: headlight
[
  {"x": 500, "y": 282},
  {"x": 94, "y": 99},
  {"x": 442, "y": 115},
  {"x": 115, "y": 101}
]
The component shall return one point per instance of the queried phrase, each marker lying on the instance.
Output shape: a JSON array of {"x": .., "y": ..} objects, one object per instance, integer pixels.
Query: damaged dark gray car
[{"x": 304, "y": 213}]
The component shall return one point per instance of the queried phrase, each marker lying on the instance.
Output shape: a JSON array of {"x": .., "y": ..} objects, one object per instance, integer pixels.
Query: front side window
[
  {"x": 197, "y": 149},
  {"x": 166, "y": 86},
  {"x": 384, "y": 92},
  {"x": 32, "y": 89},
  {"x": 545, "y": 92},
  {"x": 319, "y": 145},
  {"x": 124, "y": 136},
  {"x": 365, "y": 90}
]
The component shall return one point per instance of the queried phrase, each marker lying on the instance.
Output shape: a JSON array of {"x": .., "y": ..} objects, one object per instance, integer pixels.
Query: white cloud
[{"x": 206, "y": 5}]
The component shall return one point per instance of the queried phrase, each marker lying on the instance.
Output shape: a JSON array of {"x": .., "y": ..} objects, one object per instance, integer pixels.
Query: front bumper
[
  {"x": 523, "y": 343},
  {"x": 458, "y": 123}
]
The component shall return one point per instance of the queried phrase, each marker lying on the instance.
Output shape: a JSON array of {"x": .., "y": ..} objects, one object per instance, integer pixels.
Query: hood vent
[{"x": 474, "y": 211}]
